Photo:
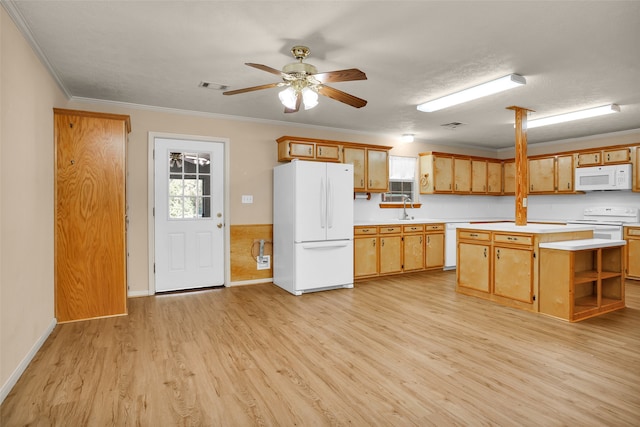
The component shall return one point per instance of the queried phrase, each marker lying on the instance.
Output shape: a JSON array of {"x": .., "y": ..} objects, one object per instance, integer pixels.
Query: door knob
[{"x": 219, "y": 225}]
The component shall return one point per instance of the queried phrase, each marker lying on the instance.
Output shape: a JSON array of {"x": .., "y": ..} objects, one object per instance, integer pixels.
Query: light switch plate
[{"x": 247, "y": 198}]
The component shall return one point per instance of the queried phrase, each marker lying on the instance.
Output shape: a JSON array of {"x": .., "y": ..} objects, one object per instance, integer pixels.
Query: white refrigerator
[{"x": 312, "y": 226}]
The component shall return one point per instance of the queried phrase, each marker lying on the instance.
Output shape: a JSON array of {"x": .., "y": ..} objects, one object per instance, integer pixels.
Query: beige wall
[{"x": 28, "y": 93}]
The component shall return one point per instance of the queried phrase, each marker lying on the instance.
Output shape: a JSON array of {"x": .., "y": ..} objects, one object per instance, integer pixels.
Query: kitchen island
[{"x": 500, "y": 261}]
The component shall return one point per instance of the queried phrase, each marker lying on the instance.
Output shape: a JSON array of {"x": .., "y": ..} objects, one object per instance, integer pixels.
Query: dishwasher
[{"x": 450, "y": 247}]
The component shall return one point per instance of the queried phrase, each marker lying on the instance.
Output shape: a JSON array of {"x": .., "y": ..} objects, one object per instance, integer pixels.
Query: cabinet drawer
[
  {"x": 434, "y": 227},
  {"x": 389, "y": 230},
  {"x": 412, "y": 228},
  {"x": 474, "y": 235},
  {"x": 516, "y": 239},
  {"x": 361, "y": 231},
  {"x": 632, "y": 232}
]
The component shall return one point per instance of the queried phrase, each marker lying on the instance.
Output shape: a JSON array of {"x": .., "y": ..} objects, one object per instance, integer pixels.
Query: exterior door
[{"x": 188, "y": 214}]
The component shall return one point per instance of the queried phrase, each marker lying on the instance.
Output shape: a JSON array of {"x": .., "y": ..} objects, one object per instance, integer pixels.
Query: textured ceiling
[{"x": 573, "y": 54}]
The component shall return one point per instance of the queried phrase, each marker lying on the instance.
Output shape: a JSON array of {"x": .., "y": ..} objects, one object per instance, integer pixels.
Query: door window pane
[{"x": 189, "y": 185}]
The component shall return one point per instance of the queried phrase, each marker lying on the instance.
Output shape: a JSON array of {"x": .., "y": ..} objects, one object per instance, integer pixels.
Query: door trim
[{"x": 151, "y": 201}]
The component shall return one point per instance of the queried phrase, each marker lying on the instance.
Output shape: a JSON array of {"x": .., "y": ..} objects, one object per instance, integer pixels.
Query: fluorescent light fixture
[
  {"x": 576, "y": 115},
  {"x": 475, "y": 92},
  {"x": 407, "y": 137}
]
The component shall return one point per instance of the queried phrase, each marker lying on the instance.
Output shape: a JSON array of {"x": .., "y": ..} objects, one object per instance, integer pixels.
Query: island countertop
[
  {"x": 580, "y": 245},
  {"x": 511, "y": 227}
]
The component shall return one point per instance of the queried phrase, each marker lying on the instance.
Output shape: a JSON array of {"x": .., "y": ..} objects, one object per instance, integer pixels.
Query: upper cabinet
[
  {"x": 494, "y": 177},
  {"x": 370, "y": 162},
  {"x": 461, "y": 175},
  {"x": 370, "y": 168},
  {"x": 290, "y": 148},
  {"x": 436, "y": 173},
  {"x": 542, "y": 175},
  {"x": 604, "y": 157},
  {"x": 564, "y": 173}
]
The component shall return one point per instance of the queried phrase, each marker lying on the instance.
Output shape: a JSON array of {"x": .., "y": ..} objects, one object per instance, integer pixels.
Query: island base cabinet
[
  {"x": 513, "y": 273},
  {"x": 473, "y": 266},
  {"x": 576, "y": 285}
]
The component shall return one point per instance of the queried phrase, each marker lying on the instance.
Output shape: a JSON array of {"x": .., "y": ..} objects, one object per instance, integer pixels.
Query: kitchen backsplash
[{"x": 541, "y": 207}]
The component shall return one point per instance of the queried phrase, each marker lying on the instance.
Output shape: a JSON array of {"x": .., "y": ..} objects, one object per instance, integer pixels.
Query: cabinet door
[
  {"x": 633, "y": 258},
  {"x": 494, "y": 177},
  {"x": 478, "y": 176},
  {"x": 473, "y": 266},
  {"x": 390, "y": 254},
  {"x": 541, "y": 175},
  {"x": 509, "y": 177},
  {"x": 413, "y": 251},
  {"x": 377, "y": 170},
  {"x": 301, "y": 150},
  {"x": 365, "y": 257},
  {"x": 565, "y": 173},
  {"x": 434, "y": 250},
  {"x": 328, "y": 153},
  {"x": 590, "y": 159},
  {"x": 443, "y": 174},
  {"x": 513, "y": 273},
  {"x": 620, "y": 155},
  {"x": 462, "y": 175},
  {"x": 356, "y": 157}
]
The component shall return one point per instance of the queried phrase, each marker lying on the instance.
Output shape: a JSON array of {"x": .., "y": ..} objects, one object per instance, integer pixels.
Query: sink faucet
[{"x": 405, "y": 199}]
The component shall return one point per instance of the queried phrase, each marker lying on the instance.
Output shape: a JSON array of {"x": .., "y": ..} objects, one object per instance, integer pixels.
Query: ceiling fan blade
[
  {"x": 341, "y": 96},
  {"x": 298, "y": 103},
  {"x": 265, "y": 68},
  {"x": 251, "y": 89},
  {"x": 340, "y": 76}
]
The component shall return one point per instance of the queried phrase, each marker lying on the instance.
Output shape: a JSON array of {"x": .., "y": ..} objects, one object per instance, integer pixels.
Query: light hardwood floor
[{"x": 397, "y": 351}]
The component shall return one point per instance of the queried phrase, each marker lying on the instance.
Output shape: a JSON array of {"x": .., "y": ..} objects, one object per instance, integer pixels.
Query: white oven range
[{"x": 608, "y": 221}]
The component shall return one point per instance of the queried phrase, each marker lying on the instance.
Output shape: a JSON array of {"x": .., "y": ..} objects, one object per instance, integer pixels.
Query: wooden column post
[{"x": 522, "y": 185}]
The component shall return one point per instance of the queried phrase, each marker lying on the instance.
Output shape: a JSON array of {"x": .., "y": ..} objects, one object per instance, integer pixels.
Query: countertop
[
  {"x": 474, "y": 221},
  {"x": 530, "y": 227},
  {"x": 579, "y": 245}
]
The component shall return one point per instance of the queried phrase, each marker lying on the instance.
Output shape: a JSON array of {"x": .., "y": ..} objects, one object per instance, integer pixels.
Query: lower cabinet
[
  {"x": 365, "y": 246},
  {"x": 497, "y": 266},
  {"x": 394, "y": 249},
  {"x": 578, "y": 284},
  {"x": 632, "y": 258},
  {"x": 413, "y": 247},
  {"x": 473, "y": 266},
  {"x": 390, "y": 250}
]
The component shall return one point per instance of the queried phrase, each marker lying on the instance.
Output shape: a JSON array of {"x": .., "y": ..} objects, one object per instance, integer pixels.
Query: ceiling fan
[{"x": 303, "y": 83}]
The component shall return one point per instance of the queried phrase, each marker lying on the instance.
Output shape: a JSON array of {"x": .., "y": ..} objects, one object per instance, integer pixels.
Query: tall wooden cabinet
[{"x": 90, "y": 214}]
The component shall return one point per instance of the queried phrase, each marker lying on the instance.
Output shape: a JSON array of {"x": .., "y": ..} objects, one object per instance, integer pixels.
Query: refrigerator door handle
[
  {"x": 323, "y": 204},
  {"x": 327, "y": 244},
  {"x": 329, "y": 203}
]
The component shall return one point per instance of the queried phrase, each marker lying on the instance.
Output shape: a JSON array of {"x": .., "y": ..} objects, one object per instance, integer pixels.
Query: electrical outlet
[
  {"x": 265, "y": 264},
  {"x": 247, "y": 198}
]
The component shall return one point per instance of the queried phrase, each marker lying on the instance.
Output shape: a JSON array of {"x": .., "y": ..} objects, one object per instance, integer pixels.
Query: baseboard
[
  {"x": 135, "y": 294},
  {"x": 22, "y": 366},
  {"x": 252, "y": 282}
]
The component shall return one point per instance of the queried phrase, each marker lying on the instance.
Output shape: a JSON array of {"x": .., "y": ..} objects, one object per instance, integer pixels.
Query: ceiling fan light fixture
[
  {"x": 485, "y": 89},
  {"x": 288, "y": 97},
  {"x": 309, "y": 98},
  {"x": 575, "y": 115}
]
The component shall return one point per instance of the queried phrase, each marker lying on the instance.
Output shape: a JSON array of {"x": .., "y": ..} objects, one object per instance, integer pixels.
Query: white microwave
[{"x": 612, "y": 177}]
